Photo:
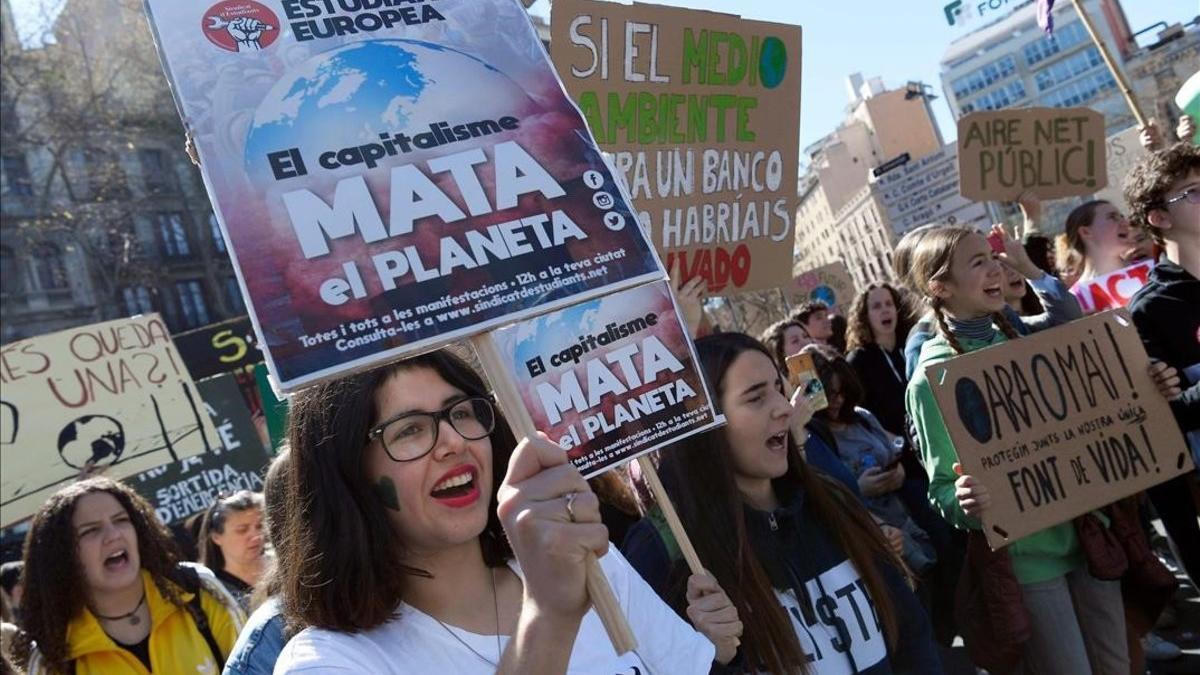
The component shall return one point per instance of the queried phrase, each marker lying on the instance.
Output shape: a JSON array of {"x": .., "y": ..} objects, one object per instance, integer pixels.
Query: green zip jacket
[{"x": 1041, "y": 556}]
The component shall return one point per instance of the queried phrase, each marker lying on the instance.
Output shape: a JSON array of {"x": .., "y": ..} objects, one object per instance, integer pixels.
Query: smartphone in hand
[{"x": 802, "y": 373}]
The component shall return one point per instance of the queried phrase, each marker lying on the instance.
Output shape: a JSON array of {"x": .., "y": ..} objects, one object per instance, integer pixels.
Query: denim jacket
[{"x": 259, "y": 643}]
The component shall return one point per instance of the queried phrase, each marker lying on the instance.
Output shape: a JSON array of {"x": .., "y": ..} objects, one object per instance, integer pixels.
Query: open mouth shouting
[
  {"x": 458, "y": 488},
  {"x": 994, "y": 292},
  {"x": 117, "y": 561},
  {"x": 778, "y": 442}
]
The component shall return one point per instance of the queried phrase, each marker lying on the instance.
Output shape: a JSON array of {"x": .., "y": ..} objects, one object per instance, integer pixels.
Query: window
[
  {"x": 49, "y": 268},
  {"x": 1064, "y": 38},
  {"x": 191, "y": 303},
  {"x": 10, "y": 272},
  {"x": 173, "y": 235},
  {"x": 233, "y": 293},
  {"x": 138, "y": 300},
  {"x": 105, "y": 177},
  {"x": 16, "y": 175},
  {"x": 983, "y": 77},
  {"x": 215, "y": 228},
  {"x": 1065, "y": 69},
  {"x": 1001, "y": 97},
  {"x": 1080, "y": 91},
  {"x": 155, "y": 172}
]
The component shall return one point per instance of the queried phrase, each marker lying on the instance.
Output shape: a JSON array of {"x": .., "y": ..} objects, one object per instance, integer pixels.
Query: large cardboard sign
[
  {"x": 113, "y": 396},
  {"x": 702, "y": 113},
  {"x": 831, "y": 284},
  {"x": 1123, "y": 151},
  {"x": 609, "y": 379},
  {"x": 1112, "y": 290},
  {"x": 392, "y": 176},
  {"x": 1059, "y": 423},
  {"x": 182, "y": 489},
  {"x": 1055, "y": 152},
  {"x": 218, "y": 348}
]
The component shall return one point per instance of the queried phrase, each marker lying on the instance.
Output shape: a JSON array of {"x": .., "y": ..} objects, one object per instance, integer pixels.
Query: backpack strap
[{"x": 189, "y": 579}]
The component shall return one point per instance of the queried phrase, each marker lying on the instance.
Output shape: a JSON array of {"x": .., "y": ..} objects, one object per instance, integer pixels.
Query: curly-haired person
[{"x": 105, "y": 591}]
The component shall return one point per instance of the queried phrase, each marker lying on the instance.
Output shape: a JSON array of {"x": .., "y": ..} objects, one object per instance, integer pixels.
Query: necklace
[
  {"x": 134, "y": 619},
  {"x": 496, "y": 609}
]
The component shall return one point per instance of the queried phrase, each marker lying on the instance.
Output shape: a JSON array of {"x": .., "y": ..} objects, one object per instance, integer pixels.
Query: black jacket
[
  {"x": 822, "y": 592},
  {"x": 1166, "y": 312},
  {"x": 882, "y": 375}
]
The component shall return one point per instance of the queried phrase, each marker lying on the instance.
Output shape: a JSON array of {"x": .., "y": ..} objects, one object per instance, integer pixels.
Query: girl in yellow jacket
[{"x": 106, "y": 593}]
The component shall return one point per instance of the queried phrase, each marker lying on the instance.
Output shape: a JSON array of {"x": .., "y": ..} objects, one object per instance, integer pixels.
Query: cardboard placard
[
  {"x": 113, "y": 396},
  {"x": 389, "y": 180},
  {"x": 609, "y": 379},
  {"x": 1055, "y": 152},
  {"x": 182, "y": 489},
  {"x": 926, "y": 191},
  {"x": 1058, "y": 423},
  {"x": 702, "y": 112},
  {"x": 1112, "y": 290},
  {"x": 218, "y": 348},
  {"x": 1123, "y": 151},
  {"x": 831, "y": 284}
]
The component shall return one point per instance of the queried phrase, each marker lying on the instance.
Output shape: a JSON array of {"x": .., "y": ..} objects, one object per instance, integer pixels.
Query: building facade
[{"x": 102, "y": 215}]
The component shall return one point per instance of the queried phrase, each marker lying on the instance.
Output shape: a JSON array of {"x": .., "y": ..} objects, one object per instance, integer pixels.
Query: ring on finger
[{"x": 569, "y": 499}]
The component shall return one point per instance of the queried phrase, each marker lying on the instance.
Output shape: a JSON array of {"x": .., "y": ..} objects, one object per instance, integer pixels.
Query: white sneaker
[{"x": 1158, "y": 649}]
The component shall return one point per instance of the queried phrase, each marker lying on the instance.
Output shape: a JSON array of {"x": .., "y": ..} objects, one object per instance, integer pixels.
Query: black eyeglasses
[
  {"x": 1192, "y": 195},
  {"x": 413, "y": 435}
]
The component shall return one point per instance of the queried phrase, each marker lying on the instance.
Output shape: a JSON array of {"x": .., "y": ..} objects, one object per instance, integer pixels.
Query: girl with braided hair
[{"x": 1076, "y": 621}]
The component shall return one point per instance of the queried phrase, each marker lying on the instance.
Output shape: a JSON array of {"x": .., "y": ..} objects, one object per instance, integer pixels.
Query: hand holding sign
[
  {"x": 712, "y": 613},
  {"x": 973, "y": 497},
  {"x": 552, "y": 520}
]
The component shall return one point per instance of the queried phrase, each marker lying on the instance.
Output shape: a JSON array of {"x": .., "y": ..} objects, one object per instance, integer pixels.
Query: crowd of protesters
[{"x": 405, "y": 528}]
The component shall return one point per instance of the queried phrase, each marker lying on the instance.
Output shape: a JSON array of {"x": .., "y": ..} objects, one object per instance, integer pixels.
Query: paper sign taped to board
[
  {"x": 113, "y": 396},
  {"x": 1059, "y": 423},
  {"x": 701, "y": 112},
  {"x": 180, "y": 490},
  {"x": 611, "y": 378},
  {"x": 1112, "y": 290},
  {"x": 1053, "y": 152},
  {"x": 390, "y": 179}
]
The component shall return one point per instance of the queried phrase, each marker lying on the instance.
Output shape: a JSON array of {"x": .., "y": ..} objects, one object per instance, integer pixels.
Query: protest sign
[
  {"x": 1112, "y": 290},
  {"x": 112, "y": 396},
  {"x": 390, "y": 179},
  {"x": 1058, "y": 423},
  {"x": 1054, "y": 152},
  {"x": 701, "y": 111},
  {"x": 609, "y": 379},
  {"x": 831, "y": 284},
  {"x": 218, "y": 348},
  {"x": 182, "y": 489},
  {"x": 926, "y": 191},
  {"x": 1123, "y": 151}
]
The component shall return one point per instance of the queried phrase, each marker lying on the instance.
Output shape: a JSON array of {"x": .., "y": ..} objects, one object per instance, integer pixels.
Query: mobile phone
[
  {"x": 802, "y": 373},
  {"x": 996, "y": 240}
]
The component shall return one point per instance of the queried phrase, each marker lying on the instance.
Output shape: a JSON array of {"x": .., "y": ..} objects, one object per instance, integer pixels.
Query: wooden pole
[
  {"x": 601, "y": 594},
  {"x": 650, "y": 473},
  {"x": 1112, "y": 65}
]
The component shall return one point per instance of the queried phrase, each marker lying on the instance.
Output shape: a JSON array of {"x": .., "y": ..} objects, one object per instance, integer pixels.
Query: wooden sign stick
[
  {"x": 1122, "y": 83},
  {"x": 603, "y": 599},
  {"x": 650, "y": 473}
]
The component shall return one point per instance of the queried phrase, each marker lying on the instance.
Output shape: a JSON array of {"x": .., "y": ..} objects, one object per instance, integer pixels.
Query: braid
[
  {"x": 945, "y": 327},
  {"x": 1006, "y": 327}
]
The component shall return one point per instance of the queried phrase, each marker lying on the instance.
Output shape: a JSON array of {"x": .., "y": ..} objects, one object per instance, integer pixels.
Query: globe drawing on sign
[
  {"x": 347, "y": 97},
  {"x": 772, "y": 62},
  {"x": 98, "y": 439},
  {"x": 825, "y": 294}
]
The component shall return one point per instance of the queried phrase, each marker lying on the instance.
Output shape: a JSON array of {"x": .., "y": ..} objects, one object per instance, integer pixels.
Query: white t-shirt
[
  {"x": 840, "y": 599},
  {"x": 413, "y": 642}
]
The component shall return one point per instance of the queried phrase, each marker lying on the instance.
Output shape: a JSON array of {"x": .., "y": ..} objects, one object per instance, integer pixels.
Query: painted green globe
[{"x": 772, "y": 62}]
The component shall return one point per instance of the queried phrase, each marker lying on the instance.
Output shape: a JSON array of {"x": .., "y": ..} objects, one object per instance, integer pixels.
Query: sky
[{"x": 898, "y": 40}]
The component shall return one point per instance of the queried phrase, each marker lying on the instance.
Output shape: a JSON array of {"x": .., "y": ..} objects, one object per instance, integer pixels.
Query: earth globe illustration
[
  {"x": 348, "y": 96},
  {"x": 98, "y": 439}
]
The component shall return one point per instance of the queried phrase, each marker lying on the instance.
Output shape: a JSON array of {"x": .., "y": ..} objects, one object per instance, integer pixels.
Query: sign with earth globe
[{"x": 391, "y": 179}]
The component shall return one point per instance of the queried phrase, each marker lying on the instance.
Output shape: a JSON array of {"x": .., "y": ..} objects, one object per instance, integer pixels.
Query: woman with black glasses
[{"x": 420, "y": 540}]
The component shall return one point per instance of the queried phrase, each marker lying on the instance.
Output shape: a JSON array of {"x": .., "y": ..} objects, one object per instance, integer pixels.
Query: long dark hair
[
  {"x": 859, "y": 334},
  {"x": 1080, "y": 217},
  {"x": 699, "y": 476},
  {"x": 211, "y": 555},
  {"x": 55, "y": 588},
  {"x": 341, "y": 569},
  {"x": 275, "y": 510},
  {"x": 773, "y": 338}
]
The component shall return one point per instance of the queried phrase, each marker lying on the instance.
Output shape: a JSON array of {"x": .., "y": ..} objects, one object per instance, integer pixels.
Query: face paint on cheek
[{"x": 385, "y": 489}]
